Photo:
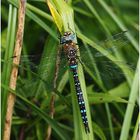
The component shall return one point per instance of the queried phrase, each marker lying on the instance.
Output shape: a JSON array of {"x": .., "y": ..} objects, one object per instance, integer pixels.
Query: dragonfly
[
  {"x": 70, "y": 50},
  {"x": 99, "y": 65}
]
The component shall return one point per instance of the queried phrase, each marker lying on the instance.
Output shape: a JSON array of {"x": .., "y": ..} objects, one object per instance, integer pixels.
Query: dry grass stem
[{"x": 14, "y": 72}]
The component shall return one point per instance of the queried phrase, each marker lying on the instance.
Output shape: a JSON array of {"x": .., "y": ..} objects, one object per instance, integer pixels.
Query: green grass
[{"x": 111, "y": 100}]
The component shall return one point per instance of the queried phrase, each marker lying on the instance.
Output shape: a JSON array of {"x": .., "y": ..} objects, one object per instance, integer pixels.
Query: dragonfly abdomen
[{"x": 80, "y": 98}]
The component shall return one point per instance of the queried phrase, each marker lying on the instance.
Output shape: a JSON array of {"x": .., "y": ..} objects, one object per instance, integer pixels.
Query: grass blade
[{"x": 130, "y": 107}]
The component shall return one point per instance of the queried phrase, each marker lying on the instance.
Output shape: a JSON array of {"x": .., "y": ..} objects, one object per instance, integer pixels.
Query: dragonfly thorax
[
  {"x": 72, "y": 56},
  {"x": 70, "y": 50}
]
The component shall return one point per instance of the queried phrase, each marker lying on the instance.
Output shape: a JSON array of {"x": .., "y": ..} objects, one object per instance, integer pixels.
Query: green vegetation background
[{"x": 113, "y": 101}]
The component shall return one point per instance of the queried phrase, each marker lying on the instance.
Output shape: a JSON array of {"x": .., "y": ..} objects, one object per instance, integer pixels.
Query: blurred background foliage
[{"x": 108, "y": 82}]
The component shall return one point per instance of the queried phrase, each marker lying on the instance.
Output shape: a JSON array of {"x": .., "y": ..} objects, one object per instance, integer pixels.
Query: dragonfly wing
[{"x": 113, "y": 44}]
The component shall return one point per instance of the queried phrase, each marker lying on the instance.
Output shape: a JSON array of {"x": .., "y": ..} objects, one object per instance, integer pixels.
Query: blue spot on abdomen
[{"x": 73, "y": 66}]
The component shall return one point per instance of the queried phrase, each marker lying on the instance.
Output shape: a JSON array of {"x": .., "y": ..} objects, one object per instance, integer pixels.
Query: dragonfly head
[{"x": 68, "y": 37}]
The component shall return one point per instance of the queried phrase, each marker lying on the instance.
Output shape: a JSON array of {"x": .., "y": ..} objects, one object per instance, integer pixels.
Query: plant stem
[
  {"x": 14, "y": 72},
  {"x": 8, "y": 53},
  {"x": 130, "y": 107}
]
